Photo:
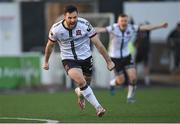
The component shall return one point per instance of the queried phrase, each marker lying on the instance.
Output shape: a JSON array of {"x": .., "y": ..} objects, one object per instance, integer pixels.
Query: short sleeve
[
  {"x": 52, "y": 35},
  {"x": 91, "y": 31},
  {"x": 136, "y": 28},
  {"x": 109, "y": 28}
]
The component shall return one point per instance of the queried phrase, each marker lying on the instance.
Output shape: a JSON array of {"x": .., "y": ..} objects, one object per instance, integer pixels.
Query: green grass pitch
[{"x": 153, "y": 105}]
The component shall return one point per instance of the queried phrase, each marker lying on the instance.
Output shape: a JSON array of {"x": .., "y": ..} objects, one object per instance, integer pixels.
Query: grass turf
[{"x": 153, "y": 105}]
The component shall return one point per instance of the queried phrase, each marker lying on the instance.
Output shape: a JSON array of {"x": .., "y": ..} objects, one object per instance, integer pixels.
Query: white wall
[
  {"x": 10, "y": 29},
  {"x": 102, "y": 74},
  {"x": 155, "y": 12},
  {"x": 55, "y": 74}
]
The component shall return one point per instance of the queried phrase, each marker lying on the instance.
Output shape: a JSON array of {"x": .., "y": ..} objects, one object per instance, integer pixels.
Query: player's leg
[
  {"x": 81, "y": 99},
  {"x": 77, "y": 75},
  {"x": 88, "y": 79},
  {"x": 68, "y": 64},
  {"x": 86, "y": 66},
  {"x": 119, "y": 75},
  {"x": 117, "y": 81},
  {"x": 131, "y": 73}
]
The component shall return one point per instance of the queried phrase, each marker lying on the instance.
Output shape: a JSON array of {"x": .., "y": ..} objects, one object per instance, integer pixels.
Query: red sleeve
[
  {"x": 51, "y": 40},
  {"x": 93, "y": 35}
]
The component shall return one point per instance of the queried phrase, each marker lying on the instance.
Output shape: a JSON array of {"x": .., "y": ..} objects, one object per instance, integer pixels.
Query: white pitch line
[{"x": 31, "y": 119}]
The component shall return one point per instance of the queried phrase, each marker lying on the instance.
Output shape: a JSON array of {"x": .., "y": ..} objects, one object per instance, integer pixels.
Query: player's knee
[
  {"x": 132, "y": 80},
  {"x": 119, "y": 80},
  {"x": 81, "y": 82}
]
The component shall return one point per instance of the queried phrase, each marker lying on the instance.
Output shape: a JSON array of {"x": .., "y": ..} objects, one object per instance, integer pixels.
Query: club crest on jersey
[{"x": 78, "y": 32}]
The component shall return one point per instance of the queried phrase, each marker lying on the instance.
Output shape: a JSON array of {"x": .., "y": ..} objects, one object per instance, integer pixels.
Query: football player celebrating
[
  {"x": 121, "y": 33},
  {"x": 74, "y": 35}
]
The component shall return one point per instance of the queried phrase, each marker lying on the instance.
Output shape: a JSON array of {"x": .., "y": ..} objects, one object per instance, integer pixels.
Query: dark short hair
[
  {"x": 70, "y": 9},
  {"x": 123, "y": 15}
]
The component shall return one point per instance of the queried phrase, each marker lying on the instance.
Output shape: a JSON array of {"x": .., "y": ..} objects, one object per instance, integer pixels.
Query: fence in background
[{"x": 18, "y": 71}]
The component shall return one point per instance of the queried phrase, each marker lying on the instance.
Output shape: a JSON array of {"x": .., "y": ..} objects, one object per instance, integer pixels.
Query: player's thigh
[
  {"x": 87, "y": 68},
  {"x": 77, "y": 75},
  {"x": 131, "y": 73},
  {"x": 119, "y": 67},
  {"x": 120, "y": 79}
]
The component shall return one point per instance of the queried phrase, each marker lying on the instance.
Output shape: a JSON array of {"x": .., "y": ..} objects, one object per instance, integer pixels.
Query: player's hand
[
  {"x": 164, "y": 25},
  {"x": 110, "y": 65},
  {"x": 46, "y": 66}
]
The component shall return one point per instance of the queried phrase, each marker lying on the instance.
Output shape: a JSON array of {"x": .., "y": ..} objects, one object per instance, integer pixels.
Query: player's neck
[
  {"x": 122, "y": 28},
  {"x": 68, "y": 26}
]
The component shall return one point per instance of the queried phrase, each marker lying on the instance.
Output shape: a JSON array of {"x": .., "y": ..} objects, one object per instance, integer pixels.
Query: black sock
[{"x": 83, "y": 88}]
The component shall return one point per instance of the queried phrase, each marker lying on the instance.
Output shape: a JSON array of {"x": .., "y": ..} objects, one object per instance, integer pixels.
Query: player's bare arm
[
  {"x": 48, "y": 51},
  {"x": 153, "y": 26},
  {"x": 102, "y": 50},
  {"x": 100, "y": 29}
]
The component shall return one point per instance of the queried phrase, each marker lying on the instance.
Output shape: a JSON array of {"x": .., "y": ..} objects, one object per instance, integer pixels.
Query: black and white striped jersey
[
  {"x": 119, "y": 40},
  {"x": 74, "y": 43}
]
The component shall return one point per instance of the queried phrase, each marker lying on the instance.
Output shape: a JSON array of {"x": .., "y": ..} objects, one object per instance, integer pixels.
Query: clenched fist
[
  {"x": 46, "y": 66},
  {"x": 110, "y": 65},
  {"x": 164, "y": 25}
]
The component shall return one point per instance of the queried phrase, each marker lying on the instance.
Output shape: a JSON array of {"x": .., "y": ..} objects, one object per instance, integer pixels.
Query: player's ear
[{"x": 64, "y": 15}]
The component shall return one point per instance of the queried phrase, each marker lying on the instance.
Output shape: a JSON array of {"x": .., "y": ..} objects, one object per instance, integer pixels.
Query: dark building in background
[
  {"x": 113, "y": 6},
  {"x": 33, "y": 26}
]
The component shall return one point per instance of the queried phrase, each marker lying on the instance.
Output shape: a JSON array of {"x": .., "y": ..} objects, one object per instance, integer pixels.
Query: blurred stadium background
[{"x": 25, "y": 88}]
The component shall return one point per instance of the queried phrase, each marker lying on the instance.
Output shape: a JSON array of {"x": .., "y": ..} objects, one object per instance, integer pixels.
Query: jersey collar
[{"x": 68, "y": 28}]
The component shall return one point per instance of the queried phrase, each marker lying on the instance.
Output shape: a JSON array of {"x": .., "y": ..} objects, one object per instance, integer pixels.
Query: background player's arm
[
  {"x": 100, "y": 29},
  {"x": 95, "y": 40},
  {"x": 48, "y": 51},
  {"x": 153, "y": 26}
]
